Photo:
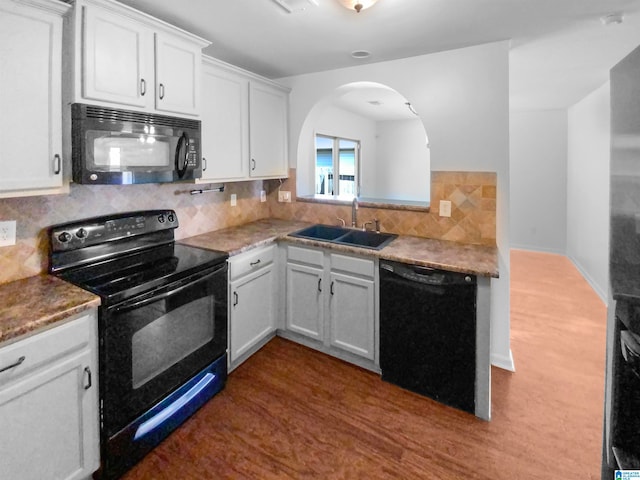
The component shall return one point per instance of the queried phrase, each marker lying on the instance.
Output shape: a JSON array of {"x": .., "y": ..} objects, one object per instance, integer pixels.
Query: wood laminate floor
[{"x": 292, "y": 413}]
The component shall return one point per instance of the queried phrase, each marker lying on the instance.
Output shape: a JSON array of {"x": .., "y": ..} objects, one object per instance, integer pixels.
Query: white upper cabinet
[
  {"x": 244, "y": 124},
  {"x": 268, "y": 127},
  {"x": 126, "y": 58},
  {"x": 30, "y": 97},
  {"x": 225, "y": 124},
  {"x": 178, "y": 71},
  {"x": 109, "y": 37}
]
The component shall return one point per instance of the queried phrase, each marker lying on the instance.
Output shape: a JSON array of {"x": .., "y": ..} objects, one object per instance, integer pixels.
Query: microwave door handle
[
  {"x": 182, "y": 285},
  {"x": 182, "y": 168}
]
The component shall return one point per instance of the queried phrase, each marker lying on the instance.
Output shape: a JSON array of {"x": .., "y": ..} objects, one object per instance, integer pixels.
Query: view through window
[{"x": 336, "y": 158}]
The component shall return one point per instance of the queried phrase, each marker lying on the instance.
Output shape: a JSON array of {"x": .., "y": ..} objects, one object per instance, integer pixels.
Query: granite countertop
[
  {"x": 32, "y": 304},
  {"x": 457, "y": 257},
  {"x": 39, "y": 302}
]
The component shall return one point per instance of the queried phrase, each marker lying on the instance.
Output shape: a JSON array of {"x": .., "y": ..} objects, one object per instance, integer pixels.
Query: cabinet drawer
[
  {"x": 251, "y": 261},
  {"x": 358, "y": 266},
  {"x": 305, "y": 255},
  {"x": 44, "y": 347}
]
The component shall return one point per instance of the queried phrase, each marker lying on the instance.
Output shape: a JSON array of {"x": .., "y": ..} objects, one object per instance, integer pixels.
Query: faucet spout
[{"x": 354, "y": 213}]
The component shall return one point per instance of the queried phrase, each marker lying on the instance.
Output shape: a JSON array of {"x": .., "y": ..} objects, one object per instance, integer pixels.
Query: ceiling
[{"x": 560, "y": 49}]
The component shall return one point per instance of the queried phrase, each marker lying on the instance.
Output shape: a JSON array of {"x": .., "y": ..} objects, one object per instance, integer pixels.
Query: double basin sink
[{"x": 345, "y": 236}]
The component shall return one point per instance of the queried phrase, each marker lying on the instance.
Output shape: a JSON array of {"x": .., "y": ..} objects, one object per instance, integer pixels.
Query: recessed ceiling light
[
  {"x": 377, "y": 103},
  {"x": 360, "y": 54}
]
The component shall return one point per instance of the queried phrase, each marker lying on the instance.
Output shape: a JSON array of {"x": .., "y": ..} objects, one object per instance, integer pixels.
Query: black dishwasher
[{"x": 428, "y": 332}]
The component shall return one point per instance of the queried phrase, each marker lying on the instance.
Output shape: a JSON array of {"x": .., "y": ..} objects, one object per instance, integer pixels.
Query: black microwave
[{"x": 119, "y": 147}]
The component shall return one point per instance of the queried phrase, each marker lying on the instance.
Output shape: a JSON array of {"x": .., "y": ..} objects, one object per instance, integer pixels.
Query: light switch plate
[
  {"x": 284, "y": 196},
  {"x": 7, "y": 233},
  {"x": 263, "y": 196},
  {"x": 445, "y": 208},
  {"x": 234, "y": 200}
]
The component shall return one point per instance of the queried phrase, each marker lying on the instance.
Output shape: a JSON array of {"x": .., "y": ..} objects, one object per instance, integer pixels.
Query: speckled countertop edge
[
  {"x": 37, "y": 303},
  {"x": 457, "y": 257}
]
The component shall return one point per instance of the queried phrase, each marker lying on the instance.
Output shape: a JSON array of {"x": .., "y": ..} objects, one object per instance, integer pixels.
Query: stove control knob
[
  {"x": 161, "y": 218},
  {"x": 64, "y": 237},
  {"x": 82, "y": 233},
  {"x": 171, "y": 218}
]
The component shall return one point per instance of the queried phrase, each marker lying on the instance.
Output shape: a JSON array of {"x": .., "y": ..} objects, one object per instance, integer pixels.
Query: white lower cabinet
[
  {"x": 252, "y": 302},
  {"x": 49, "y": 403},
  {"x": 331, "y": 300}
]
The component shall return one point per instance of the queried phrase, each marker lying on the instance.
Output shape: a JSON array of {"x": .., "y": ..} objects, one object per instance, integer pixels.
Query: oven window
[
  {"x": 171, "y": 337},
  {"x": 114, "y": 152}
]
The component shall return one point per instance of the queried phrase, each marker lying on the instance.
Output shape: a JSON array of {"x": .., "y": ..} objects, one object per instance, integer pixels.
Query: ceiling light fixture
[
  {"x": 357, "y": 5},
  {"x": 612, "y": 19}
]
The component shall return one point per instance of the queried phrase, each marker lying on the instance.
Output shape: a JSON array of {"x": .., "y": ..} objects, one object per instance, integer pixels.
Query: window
[{"x": 337, "y": 158}]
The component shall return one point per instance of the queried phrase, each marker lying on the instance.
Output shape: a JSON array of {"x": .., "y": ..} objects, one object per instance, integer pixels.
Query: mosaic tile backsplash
[{"x": 473, "y": 219}]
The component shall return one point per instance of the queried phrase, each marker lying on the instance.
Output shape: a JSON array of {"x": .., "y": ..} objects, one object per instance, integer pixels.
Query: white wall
[
  {"x": 538, "y": 170},
  {"x": 588, "y": 188},
  {"x": 401, "y": 143},
  {"x": 463, "y": 99}
]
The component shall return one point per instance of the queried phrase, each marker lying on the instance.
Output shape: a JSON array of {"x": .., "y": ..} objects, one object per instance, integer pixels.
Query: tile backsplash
[
  {"x": 196, "y": 214},
  {"x": 472, "y": 194},
  {"x": 473, "y": 210}
]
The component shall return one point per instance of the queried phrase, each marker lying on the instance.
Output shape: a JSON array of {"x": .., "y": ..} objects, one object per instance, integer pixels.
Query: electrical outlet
[
  {"x": 445, "y": 208},
  {"x": 7, "y": 233},
  {"x": 234, "y": 200},
  {"x": 263, "y": 196},
  {"x": 284, "y": 196}
]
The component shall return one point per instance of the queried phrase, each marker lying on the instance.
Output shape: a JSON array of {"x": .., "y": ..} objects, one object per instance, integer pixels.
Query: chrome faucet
[{"x": 354, "y": 212}]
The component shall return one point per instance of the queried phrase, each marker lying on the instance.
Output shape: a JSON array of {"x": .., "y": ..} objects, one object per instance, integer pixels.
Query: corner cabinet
[
  {"x": 331, "y": 303},
  {"x": 49, "y": 403},
  {"x": 244, "y": 125},
  {"x": 31, "y": 95},
  {"x": 252, "y": 302},
  {"x": 124, "y": 57}
]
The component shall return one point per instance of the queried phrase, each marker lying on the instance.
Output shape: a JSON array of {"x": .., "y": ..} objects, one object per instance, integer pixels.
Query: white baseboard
[
  {"x": 596, "y": 288},
  {"x": 504, "y": 362},
  {"x": 532, "y": 248}
]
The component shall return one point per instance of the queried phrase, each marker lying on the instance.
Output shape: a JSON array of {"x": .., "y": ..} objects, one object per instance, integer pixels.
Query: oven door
[{"x": 155, "y": 342}]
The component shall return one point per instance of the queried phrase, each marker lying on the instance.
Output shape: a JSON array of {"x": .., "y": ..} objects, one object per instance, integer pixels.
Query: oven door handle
[{"x": 175, "y": 288}]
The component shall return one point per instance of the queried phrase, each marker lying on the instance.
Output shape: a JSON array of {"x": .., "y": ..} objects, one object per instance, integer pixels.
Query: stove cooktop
[{"x": 117, "y": 279}]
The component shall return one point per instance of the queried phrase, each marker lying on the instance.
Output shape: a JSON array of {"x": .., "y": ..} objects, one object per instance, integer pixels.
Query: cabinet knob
[
  {"x": 204, "y": 164},
  {"x": 143, "y": 87},
  {"x": 161, "y": 91},
  {"x": 253, "y": 164},
  {"x": 235, "y": 298}
]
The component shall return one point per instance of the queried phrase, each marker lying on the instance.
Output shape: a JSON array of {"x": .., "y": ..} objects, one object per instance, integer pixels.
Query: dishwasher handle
[{"x": 427, "y": 275}]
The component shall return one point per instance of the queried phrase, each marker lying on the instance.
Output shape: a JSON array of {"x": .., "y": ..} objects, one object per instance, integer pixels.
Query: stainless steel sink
[{"x": 345, "y": 236}]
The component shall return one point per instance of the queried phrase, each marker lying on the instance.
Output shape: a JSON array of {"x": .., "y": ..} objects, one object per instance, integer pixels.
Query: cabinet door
[
  {"x": 305, "y": 306},
  {"x": 30, "y": 98},
  {"x": 178, "y": 70},
  {"x": 268, "y": 131},
  {"x": 225, "y": 125},
  {"x": 48, "y": 420},
  {"x": 252, "y": 312},
  {"x": 352, "y": 311},
  {"x": 117, "y": 61}
]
